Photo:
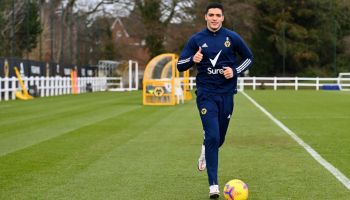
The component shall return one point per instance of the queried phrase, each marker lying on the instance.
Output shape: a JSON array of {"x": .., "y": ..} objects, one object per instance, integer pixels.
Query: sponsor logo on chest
[{"x": 215, "y": 71}]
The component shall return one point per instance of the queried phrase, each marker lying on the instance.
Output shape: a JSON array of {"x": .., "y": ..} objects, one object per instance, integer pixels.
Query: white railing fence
[
  {"x": 295, "y": 83},
  {"x": 54, "y": 86}
]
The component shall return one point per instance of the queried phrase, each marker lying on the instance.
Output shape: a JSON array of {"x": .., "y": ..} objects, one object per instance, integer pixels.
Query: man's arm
[
  {"x": 188, "y": 56},
  {"x": 246, "y": 55}
]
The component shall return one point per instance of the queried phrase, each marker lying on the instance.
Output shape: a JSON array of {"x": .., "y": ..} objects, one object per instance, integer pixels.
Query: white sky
[
  {"x": 122, "y": 8},
  {"x": 118, "y": 9}
]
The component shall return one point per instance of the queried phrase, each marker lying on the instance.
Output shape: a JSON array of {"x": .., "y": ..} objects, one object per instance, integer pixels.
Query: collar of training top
[{"x": 214, "y": 32}]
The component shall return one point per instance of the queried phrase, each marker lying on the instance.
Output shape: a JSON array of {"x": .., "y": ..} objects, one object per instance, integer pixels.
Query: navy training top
[{"x": 219, "y": 49}]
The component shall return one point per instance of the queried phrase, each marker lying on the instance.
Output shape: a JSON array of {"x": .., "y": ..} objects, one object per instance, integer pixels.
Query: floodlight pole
[
  {"x": 284, "y": 47},
  {"x": 51, "y": 31},
  {"x": 62, "y": 35},
  {"x": 77, "y": 40},
  {"x": 334, "y": 40},
  {"x": 13, "y": 39},
  {"x": 27, "y": 28},
  {"x": 40, "y": 36}
]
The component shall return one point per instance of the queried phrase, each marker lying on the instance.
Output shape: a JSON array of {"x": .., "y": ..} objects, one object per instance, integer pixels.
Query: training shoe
[
  {"x": 201, "y": 160},
  {"x": 214, "y": 192}
]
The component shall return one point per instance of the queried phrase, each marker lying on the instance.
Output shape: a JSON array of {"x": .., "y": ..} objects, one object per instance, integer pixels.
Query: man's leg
[
  {"x": 212, "y": 149},
  {"x": 211, "y": 141},
  {"x": 225, "y": 114},
  {"x": 209, "y": 116}
]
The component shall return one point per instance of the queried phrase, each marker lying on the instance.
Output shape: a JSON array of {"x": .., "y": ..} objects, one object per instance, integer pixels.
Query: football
[{"x": 236, "y": 190}]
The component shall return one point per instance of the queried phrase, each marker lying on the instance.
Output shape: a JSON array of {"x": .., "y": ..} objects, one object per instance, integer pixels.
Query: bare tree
[
  {"x": 156, "y": 16},
  {"x": 13, "y": 16},
  {"x": 65, "y": 24}
]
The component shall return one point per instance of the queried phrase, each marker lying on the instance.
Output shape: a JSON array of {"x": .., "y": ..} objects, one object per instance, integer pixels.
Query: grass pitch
[
  {"x": 320, "y": 118},
  {"x": 109, "y": 146}
]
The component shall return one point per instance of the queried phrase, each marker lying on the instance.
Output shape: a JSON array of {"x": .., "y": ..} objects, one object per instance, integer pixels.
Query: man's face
[{"x": 214, "y": 18}]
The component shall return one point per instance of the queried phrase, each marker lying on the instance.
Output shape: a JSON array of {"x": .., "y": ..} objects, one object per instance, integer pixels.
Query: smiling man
[{"x": 220, "y": 56}]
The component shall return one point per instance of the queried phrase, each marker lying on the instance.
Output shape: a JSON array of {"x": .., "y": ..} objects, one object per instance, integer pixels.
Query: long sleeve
[
  {"x": 246, "y": 55},
  {"x": 185, "y": 60}
]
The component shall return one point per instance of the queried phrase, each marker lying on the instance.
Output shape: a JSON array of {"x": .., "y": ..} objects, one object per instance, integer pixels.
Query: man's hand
[
  {"x": 198, "y": 56},
  {"x": 228, "y": 72}
]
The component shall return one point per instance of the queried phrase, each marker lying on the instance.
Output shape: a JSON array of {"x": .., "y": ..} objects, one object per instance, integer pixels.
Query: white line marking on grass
[{"x": 340, "y": 176}]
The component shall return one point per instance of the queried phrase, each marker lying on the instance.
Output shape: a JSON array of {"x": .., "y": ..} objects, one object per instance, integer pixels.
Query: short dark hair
[{"x": 214, "y": 5}]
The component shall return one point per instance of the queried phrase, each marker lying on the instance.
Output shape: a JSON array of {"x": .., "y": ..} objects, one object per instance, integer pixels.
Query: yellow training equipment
[
  {"x": 22, "y": 95},
  {"x": 163, "y": 84}
]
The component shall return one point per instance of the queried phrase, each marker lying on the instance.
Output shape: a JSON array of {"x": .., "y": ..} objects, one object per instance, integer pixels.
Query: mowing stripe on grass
[{"x": 340, "y": 176}]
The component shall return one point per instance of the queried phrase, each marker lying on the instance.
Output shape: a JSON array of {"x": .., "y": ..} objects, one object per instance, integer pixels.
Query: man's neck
[{"x": 216, "y": 30}]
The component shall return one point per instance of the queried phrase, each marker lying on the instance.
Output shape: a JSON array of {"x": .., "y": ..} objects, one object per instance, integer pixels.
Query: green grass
[
  {"x": 320, "y": 118},
  {"x": 109, "y": 146}
]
